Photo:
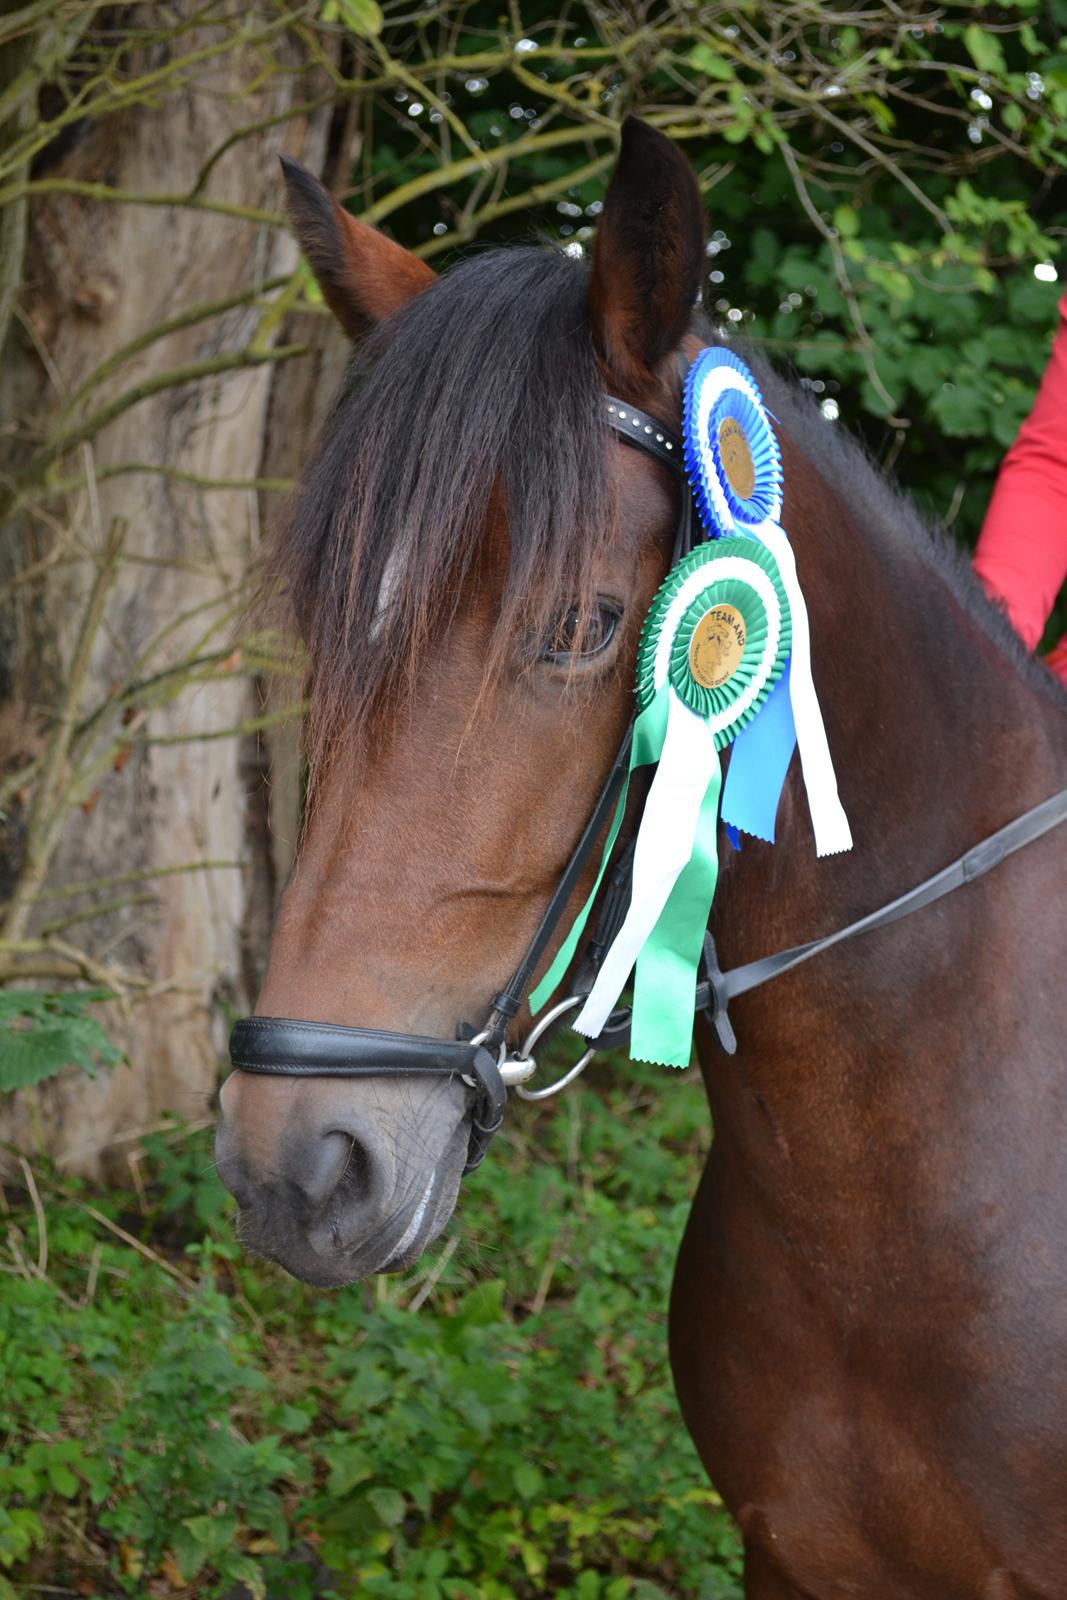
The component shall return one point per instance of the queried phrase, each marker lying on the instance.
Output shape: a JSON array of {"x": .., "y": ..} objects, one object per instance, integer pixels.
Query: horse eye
[{"x": 570, "y": 640}]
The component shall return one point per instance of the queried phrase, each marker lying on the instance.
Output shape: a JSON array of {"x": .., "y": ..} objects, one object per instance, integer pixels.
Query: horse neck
[{"x": 939, "y": 736}]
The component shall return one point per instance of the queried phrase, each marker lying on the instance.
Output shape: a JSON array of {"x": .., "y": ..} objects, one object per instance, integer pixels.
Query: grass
[{"x": 178, "y": 1419}]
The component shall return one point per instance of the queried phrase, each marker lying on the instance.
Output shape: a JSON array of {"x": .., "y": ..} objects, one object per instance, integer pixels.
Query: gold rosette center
[
  {"x": 716, "y": 646},
  {"x": 735, "y": 452}
]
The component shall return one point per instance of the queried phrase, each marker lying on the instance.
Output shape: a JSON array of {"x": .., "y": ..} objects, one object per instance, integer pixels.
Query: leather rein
[{"x": 482, "y": 1058}]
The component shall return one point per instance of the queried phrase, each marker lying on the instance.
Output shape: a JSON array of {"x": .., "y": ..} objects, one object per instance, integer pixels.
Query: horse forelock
[{"x": 481, "y": 395}]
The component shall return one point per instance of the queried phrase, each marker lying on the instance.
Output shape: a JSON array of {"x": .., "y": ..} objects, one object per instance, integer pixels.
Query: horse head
[{"x": 469, "y": 558}]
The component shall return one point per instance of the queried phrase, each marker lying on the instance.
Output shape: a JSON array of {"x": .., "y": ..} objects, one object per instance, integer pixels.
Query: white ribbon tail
[
  {"x": 664, "y": 845},
  {"x": 828, "y": 820}
]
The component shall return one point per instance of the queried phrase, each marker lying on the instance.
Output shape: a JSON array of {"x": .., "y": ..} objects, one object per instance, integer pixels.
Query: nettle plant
[{"x": 44, "y": 1033}]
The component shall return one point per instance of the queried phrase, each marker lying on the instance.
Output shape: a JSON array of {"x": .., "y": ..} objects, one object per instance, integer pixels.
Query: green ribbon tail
[
  {"x": 665, "y": 977},
  {"x": 649, "y": 732},
  {"x": 565, "y": 954}
]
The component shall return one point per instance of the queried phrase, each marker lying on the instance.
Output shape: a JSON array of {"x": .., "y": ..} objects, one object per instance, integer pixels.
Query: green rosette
[
  {"x": 732, "y": 593},
  {"x": 715, "y": 642}
]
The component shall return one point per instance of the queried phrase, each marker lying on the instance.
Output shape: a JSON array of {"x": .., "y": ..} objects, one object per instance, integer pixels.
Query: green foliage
[
  {"x": 41, "y": 1034},
  {"x": 513, "y": 1437},
  {"x": 879, "y": 191}
]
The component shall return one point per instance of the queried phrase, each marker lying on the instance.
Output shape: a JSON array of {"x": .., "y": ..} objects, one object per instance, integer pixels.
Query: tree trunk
[{"x": 144, "y": 567}]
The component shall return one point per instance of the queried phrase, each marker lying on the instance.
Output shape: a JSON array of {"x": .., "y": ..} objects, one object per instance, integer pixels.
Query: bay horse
[{"x": 868, "y": 1325}]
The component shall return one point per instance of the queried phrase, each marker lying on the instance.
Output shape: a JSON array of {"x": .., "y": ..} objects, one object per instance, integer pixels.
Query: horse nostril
[{"x": 333, "y": 1158}]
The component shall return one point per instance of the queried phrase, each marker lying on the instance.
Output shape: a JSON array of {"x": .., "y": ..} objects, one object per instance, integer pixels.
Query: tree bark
[{"x": 98, "y": 275}]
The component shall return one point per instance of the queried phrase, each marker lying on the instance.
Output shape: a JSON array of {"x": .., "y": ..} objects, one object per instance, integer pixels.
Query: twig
[
  {"x": 845, "y": 284},
  {"x": 29, "y": 17},
  {"x": 128, "y": 197},
  {"x": 93, "y": 1274},
  {"x": 133, "y": 1161},
  {"x": 511, "y": 150},
  {"x": 124, "y": 469},
  {"x": 49, "y": 803},
  {"x": 121, "y": 91},
  {"x": 67, "y": 891},
  {"x": 850, "y": 131},
  {"x": 137, "y": 1244},
  {"x": 54, "y": 958},
  {"x": 22, "y": 1267},
  {"x": 191, "y": 372},
  {"x": 38, "y": 1211},
  {"x": 397, "y": 73},
  {"x": 433, "y": 1277},
  {"x": 101, "y": 908},
  {"x": 536, "y": 195},
  {"x": 184, "y": 319},
  {"x": 237, "y": 730},
  {"x": 537, "y": 1305}
]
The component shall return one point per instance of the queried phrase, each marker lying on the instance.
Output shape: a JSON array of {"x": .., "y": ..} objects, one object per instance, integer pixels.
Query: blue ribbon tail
[{"x": 759, "y": 761}]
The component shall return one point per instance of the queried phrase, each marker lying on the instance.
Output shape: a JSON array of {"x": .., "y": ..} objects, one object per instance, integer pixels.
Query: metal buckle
[
  {"x": 514, "y": 1070},
  {"x": 541, "y": 1027}
]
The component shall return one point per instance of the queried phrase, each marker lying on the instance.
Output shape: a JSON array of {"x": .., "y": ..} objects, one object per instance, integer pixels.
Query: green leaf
[
  {"x": 846, "y": 221},
  {"x": 984, "y": 49},
  {"x": 242, "y": 1569},
  {"x": 63, "y": 1480},
  {"x": 896, "y": 284},
  {"x": 961, "y": 411},
  {"x": 361, "y": 17},
  {"x": 293, "y": 1419},
  {"x": 480, "y": 1308},
  {"x": 21, "y": 1531},
  {"x": 389, "y": 1505},
  {"x": 349, "y": 1465},
  {"x": 712, "y": 65},
  {"x": 211, "y": 1534},
  {"x": 528, "y": 1480},
  {"x": 880, "y": 111},
  {"x": 188, "y": 1551}
]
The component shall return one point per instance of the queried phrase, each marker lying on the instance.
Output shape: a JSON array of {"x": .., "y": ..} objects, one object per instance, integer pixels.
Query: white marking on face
[{"x": 416, "y": 1222}]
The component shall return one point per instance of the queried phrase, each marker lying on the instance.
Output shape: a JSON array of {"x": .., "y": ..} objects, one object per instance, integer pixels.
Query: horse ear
[
  {"x": 649, "y": 256},
  {"x": 363, "y": 275}
]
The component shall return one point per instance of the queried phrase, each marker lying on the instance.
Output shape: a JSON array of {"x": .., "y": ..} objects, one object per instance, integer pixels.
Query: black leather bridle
[{"x": 482, "y": 1059}]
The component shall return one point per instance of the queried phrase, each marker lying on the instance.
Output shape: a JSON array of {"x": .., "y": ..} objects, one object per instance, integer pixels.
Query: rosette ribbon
[
  {"x": 714, "y": 644},
  {"x": 735, "y": 470}
]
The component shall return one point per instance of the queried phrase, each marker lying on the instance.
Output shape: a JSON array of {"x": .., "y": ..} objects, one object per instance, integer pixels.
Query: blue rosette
[
  {"x": 735, "y": 469},
  {"x": 731, "y": 454}
]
